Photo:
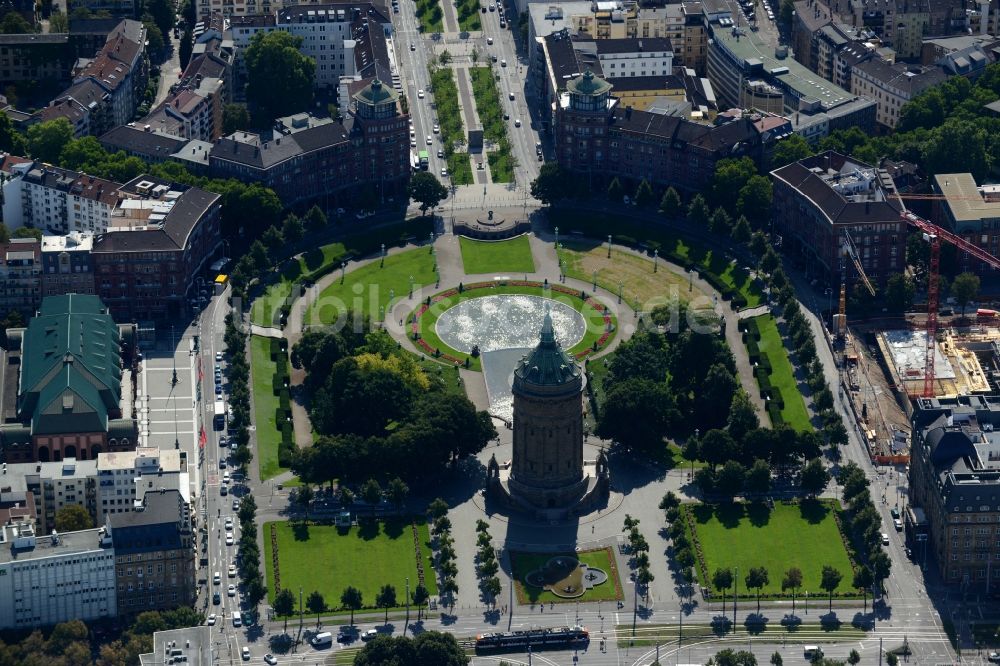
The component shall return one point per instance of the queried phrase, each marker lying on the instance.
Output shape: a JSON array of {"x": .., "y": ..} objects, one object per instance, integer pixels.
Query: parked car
[
  {"x": 369, "y": 635},
  {"x": 245, "y": 651}
]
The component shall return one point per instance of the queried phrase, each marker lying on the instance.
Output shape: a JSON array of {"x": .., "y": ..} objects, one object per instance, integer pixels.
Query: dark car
[
  {"x": 894, "y": 512},
  {"x": 216, "y": 599}
]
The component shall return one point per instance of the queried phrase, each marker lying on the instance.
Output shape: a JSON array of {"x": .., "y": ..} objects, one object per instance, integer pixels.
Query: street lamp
[
  {"x": 557, "y": 238},
  {"x": 381, "y": 263},
  {"x": 595, "y": 280},
  {"x": 656, "y": 255},
  {"x": 343, "y": 272},
  {"x": 173, "y": 355},
  {"x": 432, "y": 242},
  {"x": 609, "y": 246},
  {"x": 696, "y": 438},
  {"x": 621, "y": 286},
  {"x": 411, "y": 286}
]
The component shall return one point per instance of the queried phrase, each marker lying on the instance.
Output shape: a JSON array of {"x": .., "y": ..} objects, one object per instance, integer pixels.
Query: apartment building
[
  {"x": 45, "y": 580},
  {"x": 892, "y": 86},
  {"x": 20, "y": 269},
  {"x": 66, "y": 265},
  {"x": 155, "y": 567},
  {"x": 57, "y": 200},
  {"x": 972, "y": 212},
  {"x": 955, "y": 483},
  {"x": 160, "y": 238},
  {"x": 35, "y": 57},
  {"x": 598, "y": 139},
  {"x": 54, "y": 486},
  {"x": 85, "y": 105},
  {"x": 821, "y": 200},
  {"x": 124, "y": 478}
]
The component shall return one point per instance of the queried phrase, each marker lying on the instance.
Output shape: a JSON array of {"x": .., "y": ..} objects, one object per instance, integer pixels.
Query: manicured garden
[
  {"x": 725, "y": 275},
  {"x": 265, "y": 406},
  {"x": 643, "y": 288},
  {"x": 513, "y": 256},
  {"x": 430, "y": 15},
  {"x": 366, "y": 291},
  {"x": 603, "y": 559},
  {"x": 775, "y": 374},
  {"x": 266, "y": 307},
  {"x": 803, "y": 534},
  {"x": 490, "y": 110},
  {"x": 449, "y": 117},
  {"x": 468, "y": 15},
  {"x": 422, "y": 321},
  {"x": 328, "y": 559}
]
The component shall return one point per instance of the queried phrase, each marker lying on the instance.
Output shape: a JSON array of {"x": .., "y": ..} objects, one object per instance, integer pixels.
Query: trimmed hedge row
[
  {"x": 283, "y": 415},
  {"x": 762, "y": 371}
]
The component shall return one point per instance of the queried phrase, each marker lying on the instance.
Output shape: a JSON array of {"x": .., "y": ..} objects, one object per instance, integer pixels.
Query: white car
[
  {"x": 413, "y": 143},
  {"x": 510, "y": 96},
  {"x": 232, "y": 571},
  {"x": 231, "y": 591},
  {"x": 245, "y": 652},
  {"x": 211, "y": 620},
  {"x": 429, "y": 140},
  {"x": 885, "y": 539},
  {"x": 444, "y": 171},
  {"x": 218, "y": 357},
  {"x": 216, "y": 578},
  {"x": 369, "y": 635},
  {"x": 517, "y": 122},
  {"x": 229, "y": 539},
  {"x": 236, "y": 505},
  {"x": 437, "y": 128},
  {"x": 489, "y": 41},
  {"x": 270, "y": 659},
  {"x": 225, "y": 477},
  {"x": 412, "y": 47},
  {"x": 229, "y": 524},
  {"x": 420, "y": 93},
  {"x": 503, "y": 63}
]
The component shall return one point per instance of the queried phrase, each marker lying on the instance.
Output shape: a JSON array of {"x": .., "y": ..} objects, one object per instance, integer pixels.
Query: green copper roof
[
  {"x": 70, "y": 366},
  {"x": 376, "y": 93},
  {"x": 547, "y": 364},
  {"x": 588, "y": 84}
]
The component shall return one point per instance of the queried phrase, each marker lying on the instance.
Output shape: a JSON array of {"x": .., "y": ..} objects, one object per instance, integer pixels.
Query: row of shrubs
[
  {"x": 280, "y": 382},
  {"x": 762, "y": 371}
]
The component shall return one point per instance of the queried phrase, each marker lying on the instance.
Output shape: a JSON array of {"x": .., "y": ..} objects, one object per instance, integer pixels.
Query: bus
[
  {"x": 414, "y": 162},
  {"x": 219, "y": 421},
  {"x": 424, "y": 160},
  {"x": 559, "y": 638}
]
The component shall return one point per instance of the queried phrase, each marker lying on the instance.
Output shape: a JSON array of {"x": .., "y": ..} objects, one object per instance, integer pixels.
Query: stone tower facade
[{"x": 547, "y": 463}]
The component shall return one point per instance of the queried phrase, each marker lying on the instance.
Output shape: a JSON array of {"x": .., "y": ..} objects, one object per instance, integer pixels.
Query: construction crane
[{"x": 849, "y": 249}]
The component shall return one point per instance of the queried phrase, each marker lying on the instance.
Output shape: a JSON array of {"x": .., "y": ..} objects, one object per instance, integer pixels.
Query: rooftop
[
  {"x": 194, "y": 644},
  {"x": 169, "y": 459},
  {"x": 40, "y": 547},
  {"x": 160, "y": 507},
  {"x": 910, "y": 80},
  {"x": 966, "y": 201},
  {"x": 76, "y": 241},
  {"x": 755, "y": 54},
  {"x": 137, "y": 139},
  {"x": 547, "y": 365}
]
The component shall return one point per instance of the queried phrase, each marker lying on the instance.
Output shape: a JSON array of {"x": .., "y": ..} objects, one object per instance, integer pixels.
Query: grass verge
[
  {"x": 512, "y": 256},
  {"x": 430, "y": 15},
  {"x": 793, "y": 410},
  {"x": 487, "y": 95},
  {"x": 449, "y": 117},
  {"x": 265, "y": 407}
]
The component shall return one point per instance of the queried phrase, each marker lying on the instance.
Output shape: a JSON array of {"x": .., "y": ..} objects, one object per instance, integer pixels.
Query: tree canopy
[
  {"x": 427, "y": 190},
  {"x": 428, "y": 647},
  {"x": 280, "y": 78}
]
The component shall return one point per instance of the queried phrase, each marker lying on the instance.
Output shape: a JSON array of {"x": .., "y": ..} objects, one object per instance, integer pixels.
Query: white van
[
  {"x": 322, "y": 639},
  {"x": 237, "y": 619},
  {"x": 810, "y": 651}
]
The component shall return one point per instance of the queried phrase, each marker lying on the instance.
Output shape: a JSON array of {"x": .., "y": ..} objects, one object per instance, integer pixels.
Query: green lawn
[
  {"x": 509, "y": 256},
  {"x": 789, "y": 535},
  {"x": 594, "y": 320},
  {"x": 794, "y": 412},
  {"x": 468, "y": 15},
  {"x": 265, "y": 406},
  {"x": 430, "y": 15},
  {"x": 327, "y": 559},
  {"x": 525, "y": 563},
  {"x": 449, "y": 117},
  {"x": 669, "y": 243},
  {"x": 367, "y": 289},
  {"x": 266, "y": 307}
]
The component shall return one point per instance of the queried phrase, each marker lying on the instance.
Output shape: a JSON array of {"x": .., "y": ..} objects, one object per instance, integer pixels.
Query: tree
[
  {"x": 371, "y": 491},
  {"x": 420, "y": 596},
  {"x": 730, "y": 479},
  {"x": 397, "y": 492},
  {"x": 697, "y": 212},
  {"x": 11, "y": 141},
  {"x": 720, "y": 221},
  {"x": 670, "y": 204},
  {"x": 437, "y": 509},
  {"x": 829, "y": 581},
  {"x": 316, "y": 604},
  {"x": 891, "y": 659},
  {"x": 350, "y": 599},
  {"x": 284, "y": 604},
  {"x": 792, "y": 581},
  {"x": 292, "y": 230},
  {"x": 304, "y": 498},
  {"x": 863, "y": 580},
  {"x": 770, "y": 261},
  {"x": 273, "y": 241},
  {"x": 552, "y": 184},
  {"x": 154, "y": 36},
  {"x": 754, "y": 200},
  {"x": 162, "y": 13},
  {"x": 184, "y": 53},
  {"x": 790, "y": 149},
  {"x": 386, "y": 598},
  {"x": 73, "y": 518},
  {"x": 730, "y": 175},
  {"x": 722, "y": 580},
  {"x": 280, "y": 79},
  {"x": 47, "y": 140},
  {"x": 814, "y": 477},
  {"x": 492, "y": 588},
  {"x": 15, "y": 24},
  {"x": 637, "y": 413},
  {"x": 315, "y": 219},
  {"x": 428, "y": 647},
  {"x": 758, "y": 478},
  {"x": 427, "y": 190},
  {"x": 615, "y": 190},
  {"x": 730, "y": 657},
  {"x": 853, "y": 658},
  {"x": 643, "y": 194},
  {"x": 899, "y": 292},
  {"x": 741, "y": 230},
  {"x": 964, "y": 289},
  {"x": 776, "y": 659},
  {"x": 756, "y": 579},
  {"x": 235, "y": 117},
  {"x": 670, "y": 501},
  {"x": 58, "y": 23}
]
